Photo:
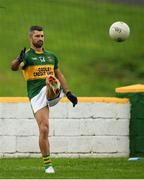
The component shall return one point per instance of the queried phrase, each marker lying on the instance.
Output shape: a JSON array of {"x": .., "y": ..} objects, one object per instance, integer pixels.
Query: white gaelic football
[{"x": 119, "y": 31}]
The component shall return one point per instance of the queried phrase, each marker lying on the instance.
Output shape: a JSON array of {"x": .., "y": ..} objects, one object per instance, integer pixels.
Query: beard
[{"x": 38, "y": 44}]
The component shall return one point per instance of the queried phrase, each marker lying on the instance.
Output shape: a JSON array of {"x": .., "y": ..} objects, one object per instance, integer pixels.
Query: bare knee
[{"x": 44, "y": 130}]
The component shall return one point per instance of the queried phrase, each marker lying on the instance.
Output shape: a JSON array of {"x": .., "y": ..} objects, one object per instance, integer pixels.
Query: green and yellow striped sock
[{"x": 47, "y": 161}]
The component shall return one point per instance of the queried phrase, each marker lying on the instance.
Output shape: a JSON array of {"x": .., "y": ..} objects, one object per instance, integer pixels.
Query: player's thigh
[{"x": 42, "y": 117}]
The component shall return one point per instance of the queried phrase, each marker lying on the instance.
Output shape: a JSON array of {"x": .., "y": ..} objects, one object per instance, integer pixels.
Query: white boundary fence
[{"x": 96, "y": 127}]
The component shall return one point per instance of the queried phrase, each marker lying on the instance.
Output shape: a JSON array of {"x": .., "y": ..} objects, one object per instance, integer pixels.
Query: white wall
[{"x": 90, "y": 129}]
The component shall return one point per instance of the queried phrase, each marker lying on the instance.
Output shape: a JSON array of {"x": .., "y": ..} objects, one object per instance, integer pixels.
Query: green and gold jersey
[{"x": 37, "y": 67}]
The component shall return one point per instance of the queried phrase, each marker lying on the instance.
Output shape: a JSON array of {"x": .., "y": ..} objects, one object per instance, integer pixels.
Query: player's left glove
[
  {"x": 22, "y": 55},
  {"x": 72, "y": 98}
]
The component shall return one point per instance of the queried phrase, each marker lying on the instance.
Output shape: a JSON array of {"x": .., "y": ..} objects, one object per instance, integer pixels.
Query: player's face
[{"x": 37, "y": 38}]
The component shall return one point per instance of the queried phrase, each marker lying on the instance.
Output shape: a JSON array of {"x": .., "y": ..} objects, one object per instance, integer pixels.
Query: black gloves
[
  {"x": 22, "y": 55},
  {"x": 72, "y": 98}
]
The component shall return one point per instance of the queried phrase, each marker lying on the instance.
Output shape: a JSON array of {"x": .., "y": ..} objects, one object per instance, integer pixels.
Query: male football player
[{"x": 45, "y": 86}]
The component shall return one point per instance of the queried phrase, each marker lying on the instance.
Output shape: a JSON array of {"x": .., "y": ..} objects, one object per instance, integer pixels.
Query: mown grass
[
  {"x": 77, "y": 31},
  {"x": 72, "y": 168}
]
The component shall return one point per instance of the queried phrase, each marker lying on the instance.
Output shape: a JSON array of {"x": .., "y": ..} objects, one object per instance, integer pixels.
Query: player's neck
[{"x": 37, "y": 49}]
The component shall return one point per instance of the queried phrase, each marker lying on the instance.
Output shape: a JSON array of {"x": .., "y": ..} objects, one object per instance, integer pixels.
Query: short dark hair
[{"x": 36, "y": 28}]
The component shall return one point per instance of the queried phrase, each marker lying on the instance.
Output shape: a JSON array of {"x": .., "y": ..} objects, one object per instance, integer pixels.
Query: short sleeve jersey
[{"x": 37, "y": 66}]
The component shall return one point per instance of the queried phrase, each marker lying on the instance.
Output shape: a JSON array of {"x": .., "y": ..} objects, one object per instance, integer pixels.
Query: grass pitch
[{"x": 66, "y": 168}]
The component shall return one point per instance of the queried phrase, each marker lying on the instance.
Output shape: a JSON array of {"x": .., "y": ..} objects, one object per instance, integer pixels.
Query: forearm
[
  {"x": 64, "y": 84},
  {"x": 15, "y": 65},
  {"x": 63, "y": 81},
  {"x": 65, "y": 87}
]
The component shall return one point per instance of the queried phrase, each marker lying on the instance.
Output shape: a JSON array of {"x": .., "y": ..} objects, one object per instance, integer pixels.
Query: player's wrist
[
  {"x": 67, "y": 91},
  {"x": 18, "y": 60}
]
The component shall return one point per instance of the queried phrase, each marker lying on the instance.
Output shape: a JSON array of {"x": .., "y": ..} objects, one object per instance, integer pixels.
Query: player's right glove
[
  {"x": 72, "y": 98},
  {"x": 22, "y": 55}
]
